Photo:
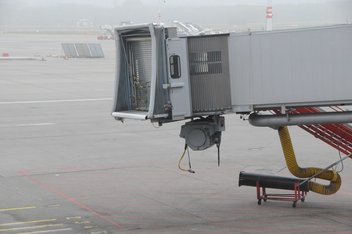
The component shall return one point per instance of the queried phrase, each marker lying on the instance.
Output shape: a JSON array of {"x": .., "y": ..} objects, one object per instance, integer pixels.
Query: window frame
[{"x": 175, "y": 66}]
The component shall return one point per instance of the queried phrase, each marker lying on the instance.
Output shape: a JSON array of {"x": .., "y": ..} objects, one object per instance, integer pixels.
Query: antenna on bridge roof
[{"x": 161, "y": 3}]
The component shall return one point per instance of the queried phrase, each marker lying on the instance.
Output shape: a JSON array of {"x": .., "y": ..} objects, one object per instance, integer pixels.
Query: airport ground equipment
[
  {"x": 294, "y": 74},
  {"x": 299, "y": 187}
]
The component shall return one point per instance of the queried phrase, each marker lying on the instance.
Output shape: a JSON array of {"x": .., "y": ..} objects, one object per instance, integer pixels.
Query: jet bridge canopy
[{"x": 291, "y": 68}]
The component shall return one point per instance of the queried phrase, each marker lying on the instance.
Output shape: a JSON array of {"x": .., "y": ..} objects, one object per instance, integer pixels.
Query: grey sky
[
  {"x": 108, "y": 3},
  {"x": 65, "y": 13}
]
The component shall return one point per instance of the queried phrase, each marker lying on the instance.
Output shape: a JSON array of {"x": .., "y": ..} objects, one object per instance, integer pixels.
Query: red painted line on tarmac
[{"x": 61, "y": 194}]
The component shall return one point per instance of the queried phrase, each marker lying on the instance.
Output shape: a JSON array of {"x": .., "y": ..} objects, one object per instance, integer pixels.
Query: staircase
[{"x": 338, "y": 136}]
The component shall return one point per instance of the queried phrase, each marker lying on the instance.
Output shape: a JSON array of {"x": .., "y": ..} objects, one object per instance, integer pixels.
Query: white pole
[{"x": 161, "y": 2}]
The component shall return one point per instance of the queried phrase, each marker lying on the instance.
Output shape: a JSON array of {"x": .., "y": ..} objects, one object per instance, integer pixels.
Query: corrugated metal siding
[
  {"x": 291, "y": 68},
  {"x": 209, "y": 73}
]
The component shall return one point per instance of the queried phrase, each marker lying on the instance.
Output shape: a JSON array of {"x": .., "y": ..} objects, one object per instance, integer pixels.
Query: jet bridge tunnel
[{"x": 296, "y": 75}]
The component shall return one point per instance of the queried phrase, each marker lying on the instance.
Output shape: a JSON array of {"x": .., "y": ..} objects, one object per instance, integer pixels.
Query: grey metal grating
[
  {"x": 205, "y": 63},
  {"x": 209, "y": 73}
]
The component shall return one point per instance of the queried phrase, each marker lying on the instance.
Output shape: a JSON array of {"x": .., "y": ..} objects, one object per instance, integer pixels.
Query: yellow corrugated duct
[{"x": 290, "y": 157}]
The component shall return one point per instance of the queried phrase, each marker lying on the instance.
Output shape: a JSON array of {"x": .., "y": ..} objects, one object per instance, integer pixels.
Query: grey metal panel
[
  {"x": 161, "y": 95},
  {"x": 96, "y": 50},
  {"x": 122, "y": 91},
  {"x": 292, "y": 68},
  {"x": 82, "y": 50},
  {"x": 180, "y": 95},
  {"x": 69, "y": 50},
  {"x": 209, "y": 73}
]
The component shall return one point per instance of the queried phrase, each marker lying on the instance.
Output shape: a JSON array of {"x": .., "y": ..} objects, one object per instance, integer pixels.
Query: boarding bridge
[
  {"x": 272, "y": 78},
  {"x": 166, "y": 78}
]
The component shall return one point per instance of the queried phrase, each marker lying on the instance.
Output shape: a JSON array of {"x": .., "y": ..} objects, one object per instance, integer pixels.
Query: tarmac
[{"x": 68, "y": 167}]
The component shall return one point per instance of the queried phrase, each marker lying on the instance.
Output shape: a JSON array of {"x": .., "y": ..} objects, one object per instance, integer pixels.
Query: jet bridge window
[{"x": 175, "y": 66}]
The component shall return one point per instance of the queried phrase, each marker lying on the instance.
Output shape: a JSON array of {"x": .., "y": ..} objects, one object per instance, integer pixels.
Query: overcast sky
[
  {"x": 168, "y": 2},
  {"x": 66, "y": 13}
]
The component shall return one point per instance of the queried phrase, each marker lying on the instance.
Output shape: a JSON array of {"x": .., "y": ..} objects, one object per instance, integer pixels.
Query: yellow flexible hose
[
  {"x": 180, "y": 160},
  {"x": 290, "y": 157}
]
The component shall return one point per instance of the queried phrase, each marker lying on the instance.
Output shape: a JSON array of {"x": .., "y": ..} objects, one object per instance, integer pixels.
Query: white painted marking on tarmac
[
  {"x": 34, "y": 124},
  {"x": 30, "y": 227},
  {"x": 27, "y": 222},
  {"x": 57, "y": 101},
  {"x": 18, "y": 208},
  {"x": 48, "y": 231}
]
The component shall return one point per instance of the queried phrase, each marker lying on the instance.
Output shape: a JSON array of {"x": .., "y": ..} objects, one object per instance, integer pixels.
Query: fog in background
[{"x": 67, "y": 13}]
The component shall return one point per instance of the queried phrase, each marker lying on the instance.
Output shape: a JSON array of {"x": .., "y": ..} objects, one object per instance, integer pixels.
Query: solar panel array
[{"x": 82, "y": 50}]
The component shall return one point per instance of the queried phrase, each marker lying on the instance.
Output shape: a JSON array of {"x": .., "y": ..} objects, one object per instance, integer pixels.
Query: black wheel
[
  {"x": 303, "y": 199},
  {"x": 265, "y": 199},
  {"x": 294, "y": 205},
  {"x": 259, "y": 201}
]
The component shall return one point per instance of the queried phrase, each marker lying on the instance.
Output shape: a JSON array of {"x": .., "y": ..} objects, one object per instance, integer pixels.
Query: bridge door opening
[{"x": 139, "y": 52}]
